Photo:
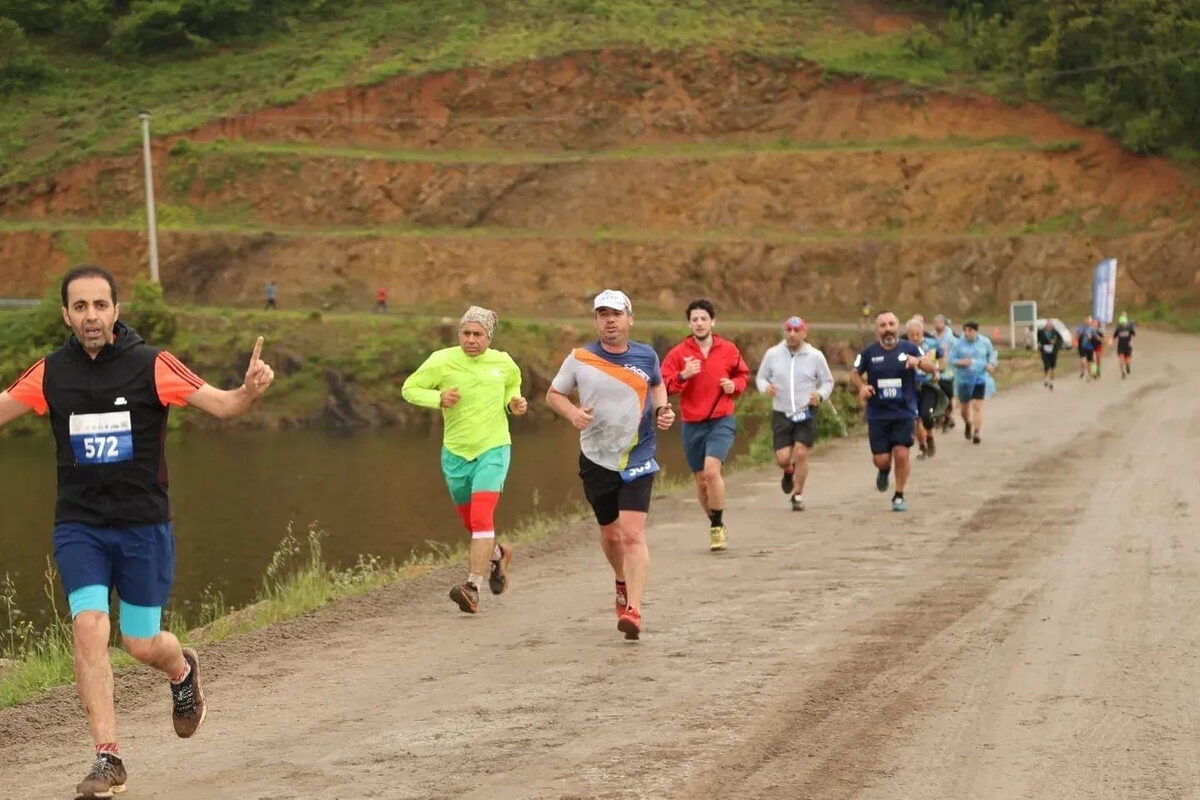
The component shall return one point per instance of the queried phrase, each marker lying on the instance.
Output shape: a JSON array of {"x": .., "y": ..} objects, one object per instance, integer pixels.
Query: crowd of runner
[{"x": 107, "y": 393}]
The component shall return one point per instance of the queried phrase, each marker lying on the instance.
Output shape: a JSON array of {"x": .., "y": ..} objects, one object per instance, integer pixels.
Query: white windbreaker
[{"x": 796, "y": 374}]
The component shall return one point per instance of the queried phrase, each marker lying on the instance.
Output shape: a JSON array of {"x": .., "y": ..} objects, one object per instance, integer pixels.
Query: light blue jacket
[{"x": 981, "y": 352}]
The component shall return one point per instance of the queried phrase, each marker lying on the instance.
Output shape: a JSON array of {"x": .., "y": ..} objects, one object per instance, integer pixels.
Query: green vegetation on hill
[
  {"x": 73, "y": 73},
  {"x": 1131, "y": 67}
]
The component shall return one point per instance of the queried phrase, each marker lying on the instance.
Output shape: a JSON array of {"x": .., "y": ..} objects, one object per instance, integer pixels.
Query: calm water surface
[{"x": 234, "y": 493}]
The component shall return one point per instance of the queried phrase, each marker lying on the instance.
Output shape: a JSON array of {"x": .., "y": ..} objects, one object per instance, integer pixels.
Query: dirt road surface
[{"x": 1027, "y": 630}]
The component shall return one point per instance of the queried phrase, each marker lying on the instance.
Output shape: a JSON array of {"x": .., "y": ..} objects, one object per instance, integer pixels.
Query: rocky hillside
[{"x": 766, "y": 183}]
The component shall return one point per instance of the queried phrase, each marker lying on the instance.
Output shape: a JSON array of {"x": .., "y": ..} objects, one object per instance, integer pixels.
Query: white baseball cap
[{"x": 614, "y": 299}]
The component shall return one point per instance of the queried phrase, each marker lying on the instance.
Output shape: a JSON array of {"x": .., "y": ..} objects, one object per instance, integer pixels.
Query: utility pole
[{"x": 151, "y": 224}]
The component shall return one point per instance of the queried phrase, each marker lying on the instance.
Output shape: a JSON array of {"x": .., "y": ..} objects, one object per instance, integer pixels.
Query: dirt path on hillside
[{"x": 1027, "y": 630}]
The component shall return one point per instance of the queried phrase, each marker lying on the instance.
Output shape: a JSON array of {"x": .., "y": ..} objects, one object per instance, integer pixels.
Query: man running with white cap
[
  {"x": 622, "y": 401},
  {"x": 474, "y": 386},
  {"x": 708, "y": 373},
  {"x": 885, "y": 376},
  {"x": 796, "y": 376}
]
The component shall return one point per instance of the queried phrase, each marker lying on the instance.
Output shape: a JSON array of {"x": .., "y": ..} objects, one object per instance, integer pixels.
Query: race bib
[
  {"x": 1049, "y": 348},
  {"x": 102, "y": 438},
  {"x": 889, "y": 388},
  {"x": 631, "y": 474},
  {"x": 799, "y": 416}
]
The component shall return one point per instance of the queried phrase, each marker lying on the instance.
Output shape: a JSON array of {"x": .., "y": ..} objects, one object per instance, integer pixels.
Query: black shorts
[
  {"x": 928, "y": 398},
  {"x": 947, "y": 387},
  {"x": 888, "y": 433},
  {"x": 1087, "y": 355},
  {"x": 786, "y": 433},
  {"x": 608, "y": 495},
  {"x": 1049, "y": 360},
  {"x": 1125, "y": 349}
]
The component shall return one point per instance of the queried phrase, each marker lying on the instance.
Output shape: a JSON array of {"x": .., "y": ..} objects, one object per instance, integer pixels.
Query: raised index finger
[{"x": 257, "y": 350}]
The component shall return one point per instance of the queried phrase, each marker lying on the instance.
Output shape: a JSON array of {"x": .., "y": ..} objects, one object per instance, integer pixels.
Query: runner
[
  {"x": 796, "y": 376},
  {"x": 1123, "y": 339},
  {"x": 622, "y": 400},
  {"x": 108, "y": 394},
  {"x": 1085, "y": 343},
  {"x": 271, "y": 293},
  {"x": 946, "y": 339},
  {"x": 930, "y": 400},
  {"x": 1049, "y": 342},
  {"x": 474, "y": 386},
  {"x": 380, "y": 301},
  {"x": 974, "y": 360},
  {"x": 884, "y": 376},
  {"x": 709, "y": 374}
]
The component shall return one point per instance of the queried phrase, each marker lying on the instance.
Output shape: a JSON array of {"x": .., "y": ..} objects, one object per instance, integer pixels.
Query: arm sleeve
[
  {"x": 173, "y": 381},
  {"x": 993, "y": 356},
  {"x": 656, "y": 377},
  {"x": 671, "y": 366},
  {"x": 512, "y": 386},
  {"x": 763, "y": 378},
  {"x": 564, "y": 382},
  {"x": 740, "y": 376},
  {"x": 421, "y": 388},
  {"x": 825, "y": 378},
  {"x": 27, "y": 390}
]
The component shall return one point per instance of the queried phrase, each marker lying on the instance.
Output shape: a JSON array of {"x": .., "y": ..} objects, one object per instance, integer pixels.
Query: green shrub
[
  {"x": 150, "y": 315},
  {"x": 21, "y": 67}
]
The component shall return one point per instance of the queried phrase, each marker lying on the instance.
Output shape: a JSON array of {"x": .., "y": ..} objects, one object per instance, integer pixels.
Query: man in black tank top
[{"x": 108, "y": 393}]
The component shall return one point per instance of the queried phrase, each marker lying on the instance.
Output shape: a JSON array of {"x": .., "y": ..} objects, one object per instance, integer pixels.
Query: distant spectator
[
  {"x": 381, "y": 300},
  {"x": 271, "y": 293}
]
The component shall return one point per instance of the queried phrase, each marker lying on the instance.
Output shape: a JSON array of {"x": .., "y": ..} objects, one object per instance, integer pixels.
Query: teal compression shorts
[{"x": 483, "y": 474}]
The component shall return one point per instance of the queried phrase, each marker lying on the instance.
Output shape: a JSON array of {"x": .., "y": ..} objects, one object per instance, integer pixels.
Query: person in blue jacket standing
[{"x": 974, "y": 359}]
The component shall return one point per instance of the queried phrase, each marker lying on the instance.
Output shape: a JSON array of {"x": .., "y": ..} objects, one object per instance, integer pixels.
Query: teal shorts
[{"x": 483, "y": 474}]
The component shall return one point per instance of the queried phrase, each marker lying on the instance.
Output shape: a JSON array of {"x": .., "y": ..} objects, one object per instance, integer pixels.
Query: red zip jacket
[{"x": 702, "y": 396}]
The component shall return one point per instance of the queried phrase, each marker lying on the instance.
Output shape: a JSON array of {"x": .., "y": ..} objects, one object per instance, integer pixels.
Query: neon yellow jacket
[{"x": 486, "y": 384}]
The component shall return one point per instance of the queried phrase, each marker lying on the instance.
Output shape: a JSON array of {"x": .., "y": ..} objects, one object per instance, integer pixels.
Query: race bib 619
[{"x": 102, "y": 438}]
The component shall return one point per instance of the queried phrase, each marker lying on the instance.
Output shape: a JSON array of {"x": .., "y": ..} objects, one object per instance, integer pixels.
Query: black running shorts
[
  {"x": 786, "y": 433},
  {"x": 885, "y": 434},
  {"x": 1049, "y": 360},
  {"x": 609, "y": 495}
]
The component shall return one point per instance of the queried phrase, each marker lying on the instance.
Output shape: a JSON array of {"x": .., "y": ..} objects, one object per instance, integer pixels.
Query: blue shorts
[
  {"x": 708, "y": 439},
  {"x": 967, "y": 392},
  {"x": 888, "y": 433},
  {"x": 138, "y": 562}
]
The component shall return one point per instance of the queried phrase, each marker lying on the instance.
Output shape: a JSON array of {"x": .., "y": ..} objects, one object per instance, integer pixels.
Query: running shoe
[
  {"x": 898, "y": 504},
  {"x": 187, "y": 699},
  {"x": 797, "y": 503},
  {"x": 967, "y": 431},
  {"x": 622, "y": 600},
  {"x": 467, "y": 597},
  {"x": 975, "y": 439},
  {"x": 788, "y": 482},
  {"x": 930, "y": 447},
  {"x": 716, "y": 538},
  {"x": 106, "y": 779},
  {"x": 498, "y": 579},
  {"x": 946, "y": 424},
  {"x": 630, "y": 623},
  {"x": 881, "y": 480},
  {"x": 921, "y": 455}
]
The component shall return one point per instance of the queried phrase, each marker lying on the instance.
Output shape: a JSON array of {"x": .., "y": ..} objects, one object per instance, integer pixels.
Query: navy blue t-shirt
[{"x": 895, "y": 384}]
